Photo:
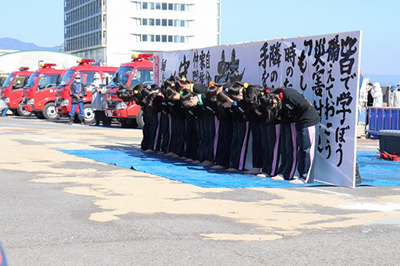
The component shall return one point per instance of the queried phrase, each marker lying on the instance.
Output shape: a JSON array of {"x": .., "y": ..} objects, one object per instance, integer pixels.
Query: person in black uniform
[
  {"x": 153, "y": 105},
  {"x": 223, "y": 135},
  {"x": 78, "y": 91},
  {"x": 306, "y": 118},
  {"x": 270, "y": 135},
  {"x": 252, "y": 94},
  {"x": 232, "y": 99},
  {"x": 202, "y": 109},
  {"x": 137, "y": 94}
]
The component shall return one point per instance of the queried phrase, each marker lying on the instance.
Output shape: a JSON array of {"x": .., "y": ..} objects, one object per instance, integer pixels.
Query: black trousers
[
  {"x": 145, "y": 144},
  {"x": 191, "y": 138},
  {"x": 270, "y": 146},
  {"x": 209, "y": 131},
  {"x": 288, "y": 150},
  {"x": 201, "y": 137},
  {"x": 153, "y": 124},
  {"x": 99, "y": 116},
  {"x": 239, "y": 145},
  {"x": 223, "y": 153},
  {"x": 177, "y": 142},
  {"x": 163, "y": 134},
  {"x": 257, "y": 144}
]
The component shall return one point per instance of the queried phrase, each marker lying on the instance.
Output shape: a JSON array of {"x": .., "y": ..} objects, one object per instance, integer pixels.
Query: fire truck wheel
[
  {"x": 39, "y": 115},
  {"x": 128, "y": 123},
  {"x": 89, "y": 114},
  {"x": 140, "y": 119},
  {"x": 49, "y": 111},
  {"x": 22, "y": 112}
]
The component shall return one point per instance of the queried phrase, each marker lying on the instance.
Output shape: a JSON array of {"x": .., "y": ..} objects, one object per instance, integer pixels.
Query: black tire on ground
[
  {"x": 89, "y": 114},
  {"x": 22, "y": 112},
  {"x": 140, "y": 119},
  {"x": 49, "y": 111},
  {"x": 39, "y": 115},
  {"x": 128, "y": 123}
]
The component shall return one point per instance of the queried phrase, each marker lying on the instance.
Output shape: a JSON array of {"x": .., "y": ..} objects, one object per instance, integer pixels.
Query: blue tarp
[{"x": 374, "y": 171}]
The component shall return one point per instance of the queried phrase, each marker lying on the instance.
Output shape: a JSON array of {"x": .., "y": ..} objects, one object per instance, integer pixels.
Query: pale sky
[{"x": 41, "y": 22}]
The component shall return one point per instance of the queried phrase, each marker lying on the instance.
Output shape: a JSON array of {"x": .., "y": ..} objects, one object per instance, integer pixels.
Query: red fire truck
[
  {"x": 39, "y": 94},
  {"x": 139, "y": 71},
  {"x": 11, "y": 91},
  {"x": 86, "y": 70}
]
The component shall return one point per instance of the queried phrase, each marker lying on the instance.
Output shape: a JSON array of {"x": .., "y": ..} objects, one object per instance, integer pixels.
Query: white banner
[{"x": 324, "y": 68}]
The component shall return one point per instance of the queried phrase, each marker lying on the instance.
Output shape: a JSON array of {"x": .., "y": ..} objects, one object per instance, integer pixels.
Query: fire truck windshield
[
  {"x": 47, "y": 81},
  {"x": 8, "y": 80},
  {"x": 124, "y": 73},
  {"x": 31, "y": 80},
  {"x": 66, "y": 78}
]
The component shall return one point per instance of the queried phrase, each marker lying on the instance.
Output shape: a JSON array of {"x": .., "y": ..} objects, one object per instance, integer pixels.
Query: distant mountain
[
  {"x": 384, "y": 80},
  {"x": 13, "y": 44}
]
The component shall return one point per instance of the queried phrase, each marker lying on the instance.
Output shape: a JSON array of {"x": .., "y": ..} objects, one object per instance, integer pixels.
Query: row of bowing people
[{"x": 211, "y": 126}]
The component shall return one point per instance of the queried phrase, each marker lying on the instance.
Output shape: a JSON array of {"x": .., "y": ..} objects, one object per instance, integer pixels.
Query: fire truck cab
[
  {"x": 39, "y": 93},
  {"x": 86, "y": 70},
  {"x": 11, "y": 90},
  {"x": 138, "y": 71}
]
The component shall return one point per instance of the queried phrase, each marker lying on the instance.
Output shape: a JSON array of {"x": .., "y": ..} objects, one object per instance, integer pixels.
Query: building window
[
  {"x": 158, "y": 38},
  {"x": 182, "y": 39},
  {"x": 182, "y": 7},
  {"x": 144, "y": 22},
  {"x": 170, "y": 22},
  {"x": 164, "y": 38},
  {"x": 158, "y": 22},
  {"x": 164, "y": 6},
  {"x": 152, "y": 5},
  {"x": 152, "y": 38},
  {"x": 158, "y": 6},
  {"x": 144, "y": 38},
  {"x": 182, "y": 24},
  {"x": 170, "y": 38},
  {"x": 151, "y": 21},
  {"x": 144, "y": 6},
  {"x": 170, "y": 6},
  {"x": 164, "y": 22}
]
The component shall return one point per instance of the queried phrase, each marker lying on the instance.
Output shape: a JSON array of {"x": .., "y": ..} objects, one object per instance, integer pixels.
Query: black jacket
[
  {"x": 74, "y": 93},
  {"x": 299, "y": 108},
  {"x": 238, "y": 110}
]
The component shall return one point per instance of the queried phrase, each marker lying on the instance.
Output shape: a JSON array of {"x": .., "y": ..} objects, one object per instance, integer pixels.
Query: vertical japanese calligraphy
[{"x": 324, "y": 68}]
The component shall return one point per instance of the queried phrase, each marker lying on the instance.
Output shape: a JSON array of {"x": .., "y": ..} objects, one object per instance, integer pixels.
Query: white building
[
  {"x": 12, "y": 60},
  {"x": 112, "y": 30}
]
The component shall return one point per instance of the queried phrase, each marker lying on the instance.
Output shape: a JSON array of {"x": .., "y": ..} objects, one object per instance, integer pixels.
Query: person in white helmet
[
  {"x": 377, "y": 95},
  {"x": 394, "y": 99},
  {"x": 99, "y": 103}
]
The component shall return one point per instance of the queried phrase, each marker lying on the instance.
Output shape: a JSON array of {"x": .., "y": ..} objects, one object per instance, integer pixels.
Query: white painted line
[
  {"x": 386, "y": 207},
  {"x": 332, "y": 192}
]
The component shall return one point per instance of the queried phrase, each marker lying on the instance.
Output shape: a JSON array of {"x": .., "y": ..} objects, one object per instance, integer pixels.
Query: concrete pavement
[{"x": 59, "y": 209}]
